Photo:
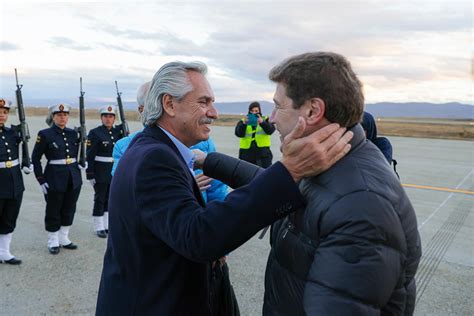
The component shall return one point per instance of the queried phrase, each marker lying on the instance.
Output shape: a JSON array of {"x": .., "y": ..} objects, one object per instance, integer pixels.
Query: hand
[
  {"x": 260, "y": 119},
  {"x": 199, "y": 157},
  {"x": 81, "y": 167},
  {"x": 27, "y": 170},
  {"x": 315, "y": 153},
  {"x": 92, "y": 182},
  {"x": 44, "y": 188},
  {"x": 203, "y": 182},
  {"x": 245, "y": 120},
  {"x": 221, "y": 260}
]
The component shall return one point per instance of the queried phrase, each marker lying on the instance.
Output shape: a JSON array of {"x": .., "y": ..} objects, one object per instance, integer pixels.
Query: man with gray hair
[{"x": 163, "y": 239}]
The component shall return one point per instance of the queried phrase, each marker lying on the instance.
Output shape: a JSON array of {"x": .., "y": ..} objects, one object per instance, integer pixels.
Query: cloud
[
  {"x": 7, "y": 46},
  {"x": 66, "y": 42},
  {"x": 391, "y": 44}
]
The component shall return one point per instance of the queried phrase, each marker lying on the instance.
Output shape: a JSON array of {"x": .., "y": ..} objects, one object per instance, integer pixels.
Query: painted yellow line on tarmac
[{"x": 416, "y": 186}]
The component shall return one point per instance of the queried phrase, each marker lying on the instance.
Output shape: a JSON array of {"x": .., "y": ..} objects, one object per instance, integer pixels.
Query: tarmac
[{"x": 438, "y": 177}]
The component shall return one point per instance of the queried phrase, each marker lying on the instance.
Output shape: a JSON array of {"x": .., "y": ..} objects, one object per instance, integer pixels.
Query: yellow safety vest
[{"x": 261, "y": 138}]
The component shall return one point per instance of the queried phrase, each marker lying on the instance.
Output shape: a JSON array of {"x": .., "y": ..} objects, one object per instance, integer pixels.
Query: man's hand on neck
[{"x": 311, "y": 155}]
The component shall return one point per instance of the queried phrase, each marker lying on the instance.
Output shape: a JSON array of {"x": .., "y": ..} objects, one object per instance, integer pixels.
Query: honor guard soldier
[
  {"x": 61, "y": 179},
  {"x": 100, "y": 145},
  {"x": 11, "y": 188}
]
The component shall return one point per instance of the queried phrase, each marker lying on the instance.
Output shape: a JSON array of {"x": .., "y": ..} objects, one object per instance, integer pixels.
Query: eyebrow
[{"x": 207, "y": 98}]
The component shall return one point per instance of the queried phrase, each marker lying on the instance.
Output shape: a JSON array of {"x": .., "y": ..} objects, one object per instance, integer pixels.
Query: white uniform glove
[
  {"x": 27, "y": 170},
  {"x": 92, "y": 182},
  {"x": 45, "y": 188},
  {"x": 81, "y": 167}
]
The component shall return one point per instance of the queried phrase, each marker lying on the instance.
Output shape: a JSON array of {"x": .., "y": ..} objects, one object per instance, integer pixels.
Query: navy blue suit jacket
[{"x": 161, "y": 236}]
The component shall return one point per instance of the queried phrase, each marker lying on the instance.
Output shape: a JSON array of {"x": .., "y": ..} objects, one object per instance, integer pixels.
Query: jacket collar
[
  {"x": 359, "y": 136},
  {"x": 157, "y": 133},
  {"x": 57, "y": 129}
]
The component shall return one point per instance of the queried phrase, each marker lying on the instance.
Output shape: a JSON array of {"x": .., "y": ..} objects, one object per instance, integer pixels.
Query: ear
[
  {"x": 315, "y": 111},
  {"x": 168, "y": 105}
]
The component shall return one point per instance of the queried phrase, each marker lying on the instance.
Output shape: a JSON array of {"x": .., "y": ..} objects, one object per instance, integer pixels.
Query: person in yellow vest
[{"x": 254, "y": 132}]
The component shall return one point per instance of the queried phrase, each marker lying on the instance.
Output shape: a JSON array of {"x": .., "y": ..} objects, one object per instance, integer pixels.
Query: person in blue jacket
[{"x": 61, "y": 179}]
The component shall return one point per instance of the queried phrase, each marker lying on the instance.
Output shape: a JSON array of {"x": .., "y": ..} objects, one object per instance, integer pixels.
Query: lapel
[{"x": 155, "y": 132}]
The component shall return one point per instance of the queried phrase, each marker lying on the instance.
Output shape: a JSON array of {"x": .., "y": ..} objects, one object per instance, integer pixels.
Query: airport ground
[{"x": 437, "y": 175}]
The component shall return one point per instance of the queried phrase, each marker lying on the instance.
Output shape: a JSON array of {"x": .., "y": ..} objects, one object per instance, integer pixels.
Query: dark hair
[
  {"x": 255, "y": 104},
  {"x": 323, "y": 75}
]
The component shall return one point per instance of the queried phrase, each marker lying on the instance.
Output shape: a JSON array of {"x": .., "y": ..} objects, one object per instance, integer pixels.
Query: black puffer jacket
[{"x": 354, "y": 250}]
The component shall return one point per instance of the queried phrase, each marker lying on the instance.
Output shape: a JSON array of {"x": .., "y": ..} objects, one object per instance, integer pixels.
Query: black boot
[
  {"x": 12, "y": 261},
  {"x": 53, "y": 250},
  {"x": 101, "y": 233}
]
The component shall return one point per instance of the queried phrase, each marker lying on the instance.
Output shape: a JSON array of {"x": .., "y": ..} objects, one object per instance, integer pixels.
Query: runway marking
[
  {"x": 445, "y": 200},
  {"x": 427, "y": 187}
]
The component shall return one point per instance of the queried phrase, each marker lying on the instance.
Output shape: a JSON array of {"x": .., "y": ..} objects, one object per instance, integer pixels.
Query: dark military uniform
[
  {"x": 12, "y": 187},
  {"x": 11, "y": 184},
  {"x": 100, "y": 145},
  {"x": 62, "y": 174}
]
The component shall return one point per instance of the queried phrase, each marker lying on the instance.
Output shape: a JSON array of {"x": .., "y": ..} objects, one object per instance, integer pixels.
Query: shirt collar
[{"x": 185, "y": 152}]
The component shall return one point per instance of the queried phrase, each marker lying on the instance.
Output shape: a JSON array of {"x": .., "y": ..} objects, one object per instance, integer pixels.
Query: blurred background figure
[
  {"x": 61, "y": 179},
  {"x": 254, "y": 132},
  {"x": 122, "y": 145},
  {"x": 100, "y": 144},
  {"x": 12, "y": 187},
  {"x": 382, "y": 143}
]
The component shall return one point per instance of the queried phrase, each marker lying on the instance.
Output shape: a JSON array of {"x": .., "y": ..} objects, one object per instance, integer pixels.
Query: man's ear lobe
[
  {"x": 168, "y": 105},
  {"x": 316, "y": 111}
]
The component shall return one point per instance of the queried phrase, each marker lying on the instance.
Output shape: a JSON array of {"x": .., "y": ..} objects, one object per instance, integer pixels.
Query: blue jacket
[
  {"x": 162, "y": 238},
  {"x": 120, "y": 148},
  {"x": 218, "y": 190},
  {"x": 10, "y": 178},
  {"x": 56, "y": 143}
]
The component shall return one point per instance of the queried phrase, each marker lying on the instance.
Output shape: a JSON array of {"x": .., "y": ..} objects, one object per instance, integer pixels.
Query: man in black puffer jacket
[{"x": 355, "y": 248}]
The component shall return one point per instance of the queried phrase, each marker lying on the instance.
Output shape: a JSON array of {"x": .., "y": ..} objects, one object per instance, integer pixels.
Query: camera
[{"x": 252, "y": 119}]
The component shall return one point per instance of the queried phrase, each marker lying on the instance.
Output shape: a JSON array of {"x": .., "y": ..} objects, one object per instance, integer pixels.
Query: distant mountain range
[
  {"x": 383, "y": 109},
  {"x": 451, "y": 110}
]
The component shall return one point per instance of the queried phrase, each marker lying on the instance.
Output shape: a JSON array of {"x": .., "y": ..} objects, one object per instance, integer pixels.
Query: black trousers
[
  {"x": 101, "y": 199},
  {"x": 9, "y": 210},
  {"x": 61, "y": 207},
  {"x": 260, "y": 156}
]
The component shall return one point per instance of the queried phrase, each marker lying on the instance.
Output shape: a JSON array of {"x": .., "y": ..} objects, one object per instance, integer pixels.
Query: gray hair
[
  {"x": 170, "y": 79},
  {"x": 142, "y": 93}
]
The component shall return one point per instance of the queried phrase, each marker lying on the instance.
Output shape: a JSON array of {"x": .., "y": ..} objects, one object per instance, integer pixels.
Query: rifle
[
  {"x": 23, "y": 126},
  {"x": 124, "y": 125},
  {"x": 81, "y": 130}
]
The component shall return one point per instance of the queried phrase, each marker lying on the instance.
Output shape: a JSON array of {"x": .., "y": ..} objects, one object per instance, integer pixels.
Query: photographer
[{"x": 254, "y": 132}]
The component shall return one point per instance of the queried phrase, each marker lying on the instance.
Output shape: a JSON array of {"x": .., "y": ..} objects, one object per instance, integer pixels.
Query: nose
[
  {"x": 212, "y": 112},
  {"x": 272, "y": 116}
]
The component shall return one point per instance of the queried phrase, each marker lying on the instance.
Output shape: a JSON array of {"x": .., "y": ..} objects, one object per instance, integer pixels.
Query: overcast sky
[{"x": 401, "y": 50}]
